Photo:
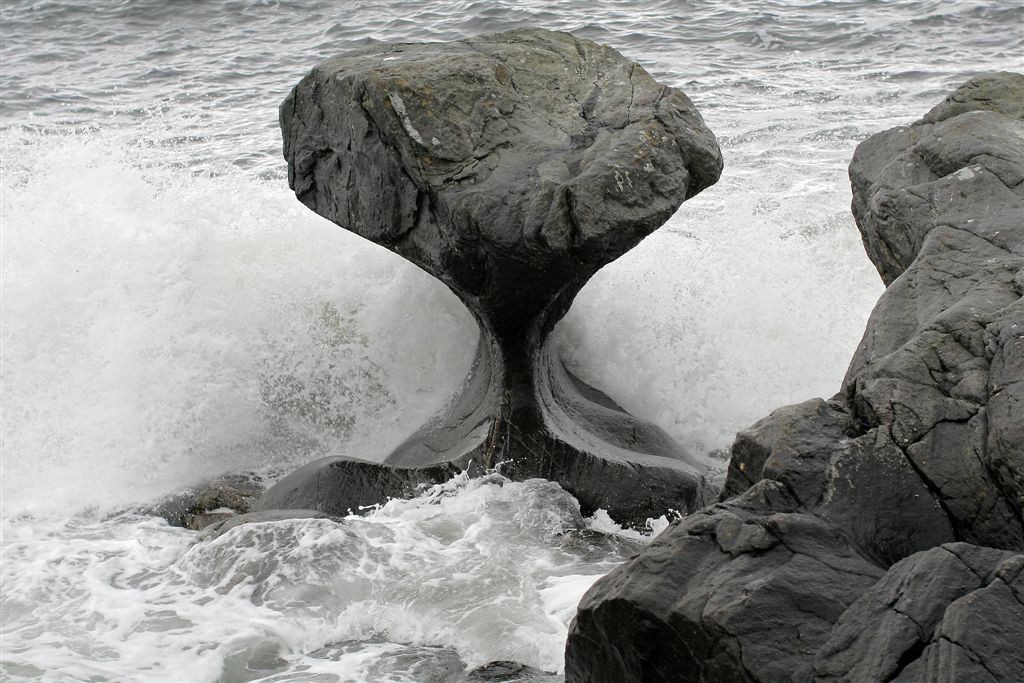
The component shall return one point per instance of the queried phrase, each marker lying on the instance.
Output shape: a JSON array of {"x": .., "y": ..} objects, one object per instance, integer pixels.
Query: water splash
[{"x": 159, "y": 328}]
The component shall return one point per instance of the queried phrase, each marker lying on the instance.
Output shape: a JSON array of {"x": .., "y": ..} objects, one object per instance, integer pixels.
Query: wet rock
[
  {"x": 595, "y": 545},
  {"x": 940, "y": 368},
  {"x": 511, "y": 167},
  {"x": 344, "y": 486},
  {"x": 901, "y": 175},
  {"x": 399, "y": 662},
  {"x": 506, "y": 672},
  {"x": 739, "y": 591},
  {"x": 209, "y": 502},
  {"x": 912, "y": 472},
  {"x": 219, "y": 527}
]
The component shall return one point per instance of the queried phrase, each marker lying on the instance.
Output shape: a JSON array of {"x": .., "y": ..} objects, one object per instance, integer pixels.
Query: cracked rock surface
[
  {"x": 511, "y": 167},
  {"x": 876, "y": 535},
  {"x": 954, "y": 612}
]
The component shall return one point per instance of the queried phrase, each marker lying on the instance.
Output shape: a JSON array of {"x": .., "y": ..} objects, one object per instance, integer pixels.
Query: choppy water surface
[
  {"x": 421, "y": 590},
  {"x": 170, "y": 312}
]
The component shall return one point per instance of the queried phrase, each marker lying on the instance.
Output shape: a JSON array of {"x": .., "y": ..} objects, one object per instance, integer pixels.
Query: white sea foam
[
  {"x": 161, "y": 327},
  {"x": 475, "y": 566}
]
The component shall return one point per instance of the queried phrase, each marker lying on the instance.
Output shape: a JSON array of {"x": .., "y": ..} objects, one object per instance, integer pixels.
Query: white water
[
  {"x": 169, "y": 312},
  {"x": 160, "y": 325},
  {"x": 484, "y": 568}
]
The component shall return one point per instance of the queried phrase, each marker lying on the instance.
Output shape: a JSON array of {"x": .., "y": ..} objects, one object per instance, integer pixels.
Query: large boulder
[
  {"x": 511, "y": 167},
  {"x": 954, "y": 612},
  {"x": 833, "y": 512}
]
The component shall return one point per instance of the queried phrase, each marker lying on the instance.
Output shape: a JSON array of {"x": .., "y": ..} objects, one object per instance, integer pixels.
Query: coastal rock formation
[
  {"x": 955, "y": 612},
  {"x": 209, "y": 502},
  {"x": 511, "y": 167},
  {"x": 876, "y": 535}
]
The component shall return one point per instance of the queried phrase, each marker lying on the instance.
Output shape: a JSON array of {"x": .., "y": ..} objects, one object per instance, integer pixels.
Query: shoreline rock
[
  {"x": 912, "y": 475},
  {"x": 209, "y": 502},
  {"x": 511, "y": 167}
]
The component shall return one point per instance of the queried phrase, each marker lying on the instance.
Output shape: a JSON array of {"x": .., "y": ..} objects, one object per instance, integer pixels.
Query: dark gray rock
[
  {"x": 596, "y": 545},
  {"x": 893, "y": 173},
  {"x": 208, "y": 502},
  {"x": 511, "y": 167},
  {"x": 506, "y": 672},
  {"x": 940, "y": 367},
  {"x": 345, "y": 486},
  {"x": 745, "y": 590},
  {"x": 791, "y": 446},
  {"x": 922, "y": 447},
  {"x": 945, "y": 614}
]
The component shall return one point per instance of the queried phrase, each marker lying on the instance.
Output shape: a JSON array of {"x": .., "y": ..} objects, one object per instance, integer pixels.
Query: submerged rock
[
  {"x": 511, "y": 167},
  {"x": 864, "y": 537},
  {"x": 507, "y": 672},
  {"x": 219, "y": 527},
  {"x": 208, "y": 502}
]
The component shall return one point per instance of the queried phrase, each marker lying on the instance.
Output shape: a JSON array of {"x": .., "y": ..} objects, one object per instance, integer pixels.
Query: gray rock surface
[
  {"x": 952, "y": 613},
  {"x": 511, "y": 167},
  {"x": 903, "y": 174},
  {"x": 867, "y": 536},
  {"x": 940, "y": 368}
]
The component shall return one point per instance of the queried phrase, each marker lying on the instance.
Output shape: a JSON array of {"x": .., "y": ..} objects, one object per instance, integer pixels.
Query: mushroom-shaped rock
[{"x": 511, "y": 167}]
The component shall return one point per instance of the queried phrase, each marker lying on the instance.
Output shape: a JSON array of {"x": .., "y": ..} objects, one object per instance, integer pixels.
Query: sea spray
[{"x": 160, "y": 328}]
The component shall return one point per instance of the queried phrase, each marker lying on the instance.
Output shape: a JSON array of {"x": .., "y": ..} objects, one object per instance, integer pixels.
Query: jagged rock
[
  {"x": 506, "y": 672},
  {"x": 945, "y": 614},
  {"x": 921, "y": 448},
  {"x": 974, "y": 130},
  {"x": 511, "y": 167},
  {"x": 945, "y": 213},
  {"x": 221, "y": 526},
  {"x": 744, "y": 590}
]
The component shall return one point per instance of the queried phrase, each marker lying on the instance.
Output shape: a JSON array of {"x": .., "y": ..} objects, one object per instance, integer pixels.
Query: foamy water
[
  {"x": 170, "y": 312},
  {"x": 475, "y": 571}
]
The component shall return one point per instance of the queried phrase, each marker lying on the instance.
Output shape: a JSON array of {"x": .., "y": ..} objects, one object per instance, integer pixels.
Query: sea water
[{"x": 170, "y": 312}]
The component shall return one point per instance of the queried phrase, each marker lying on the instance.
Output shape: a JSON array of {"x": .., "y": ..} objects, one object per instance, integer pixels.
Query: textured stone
[
  {"x": 945, "y": 614},
  {"x": 208, "y": 502},
  {"x": 345, "y": 486},
  {"x": 511, "y": 167}
]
